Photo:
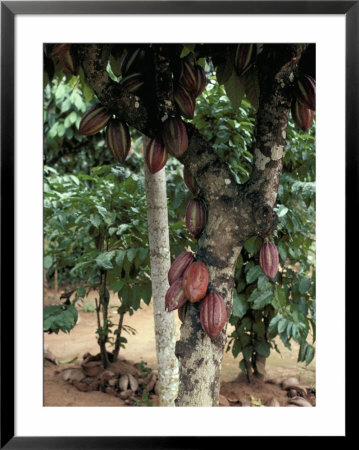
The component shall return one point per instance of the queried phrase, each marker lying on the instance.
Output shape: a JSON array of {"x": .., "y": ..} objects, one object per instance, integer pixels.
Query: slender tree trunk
[
  {"x": 165, "y": 331},
  {"x": 118, "y": 336},
  {"x": 56, "y": 276}
]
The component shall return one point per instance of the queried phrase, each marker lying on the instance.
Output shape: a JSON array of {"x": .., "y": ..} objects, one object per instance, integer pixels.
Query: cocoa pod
[
  {"x": 133, "y": 82},
  {"x": 68, "y": 62},
  {"x": 195, "y": 281},
  {"x": 133, "y": 61},
  {"x": 59, "y": 50},
  {"x": 213, "y": 314},
  {"x": 118, "y": 140},
  {"x": 244, "y": 57},
  {"x": 155, "y": 155},
  {"x": 185, "y": 101},
  {"x": 302, "y": 116},
  {"x": 182, "y": 312},
  {"x": 190, "y": 181},
  {"x": 201, "y": 80},
  {"x": 188, "y": 75},
  {"x": 94, "y": 120},
  {"x": 195, "y": 217},
  {"x": 123, "y": 383},
  {"x": 179, "y": 266},
  {"x": 132, "y": 382},
  {"x": 175, "y": 297},
  {"x": 151, "y": 383},
  {"x": 174, "y": 135},
  {"x": 269, "y": 259},
  {"x": 305, "y": 89}
]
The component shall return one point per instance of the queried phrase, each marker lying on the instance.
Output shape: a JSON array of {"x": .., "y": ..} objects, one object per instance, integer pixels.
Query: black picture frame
[{"x": 9, "y": 9}]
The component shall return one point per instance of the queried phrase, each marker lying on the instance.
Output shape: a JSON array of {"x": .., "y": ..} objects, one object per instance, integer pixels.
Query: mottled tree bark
[
  {"x": 235, "y": 212},
  {"x": 165, "y": 331}
]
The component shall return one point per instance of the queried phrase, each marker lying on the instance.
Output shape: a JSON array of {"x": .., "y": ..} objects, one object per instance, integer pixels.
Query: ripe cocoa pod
[
  {"x": 59, "y": 50},
  {"x": 133, "y": 82},
  {"x": 305, "y": 89},
  {"x": 244, "y": 57},
  {"x": 182, "y": 312},
  {"x": 201, "y": 80},
  {"x": 174, "y": 135},
  {"x": 175, "y": 297},
  {"x": 94, "y": 120},
  {"x": 185, "y": 101},
  {"x": 302, "y": 116},
  {"x": 155, "y": 155},
  {"x": 269, "y": 259},
  {"x": 190, "y": 181},
  {"x": 133, "y": 61},
  {"x": 188, "y": 75},
  {"x": 118, "y": 139},
  {"x": 68, "y": 62},
  {"x": 179, "y": 266},
  {"x": 195, "y": 281},
  {"x": 195, "y": 217},
  {"x": 213, "y": 314}
]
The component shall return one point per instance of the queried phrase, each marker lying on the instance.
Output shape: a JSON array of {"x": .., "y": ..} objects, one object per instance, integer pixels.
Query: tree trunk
[
  {"x": 116, "y": 350},
  {"x": 165, "y": 331}
]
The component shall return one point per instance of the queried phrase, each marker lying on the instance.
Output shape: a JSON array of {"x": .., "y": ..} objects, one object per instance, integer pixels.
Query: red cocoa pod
[
  {"x": 133, "y": 82},
  {"x": 304, "y": 90},
  {"x": 201, "y": 80},
  {"x": 133, "y": 61},
  {"x": 59, "y": 50},
  {"x": 155, "y": 155},
  {"x": 195, "y": 281},
  {"x": 179, "y": 266},
  {"x": 188, "y": 75},
  {"x": 182, "y": 312},
  {"x": 118, "y": 139},
  {"x": 175, "y": 297},
  {"x": 302, "y": 116},
  {"x": 213, "y": 314},
  {"x": 269, "y": 259},
  {"x": 68, "y": 62},
  {"x": 190, "y": 181},
  {"x": 244, "y": 57},
  {"x": 185, "y": 101},
  {"x": 195, "y": 217},
  {"x": 94, "y": 120},
  {"x": 174, "y": 135}
]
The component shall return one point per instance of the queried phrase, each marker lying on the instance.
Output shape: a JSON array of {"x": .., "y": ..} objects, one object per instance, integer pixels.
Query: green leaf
[
  {"x": 104, "y": 260},
  {"x": 253, "y": 244},
  {"x": 120, "y": 256},
  {"x": 280, "y": 295},
  {"x": 236, "y": 348},
  {"x": 224, "y": 70},
  {"x": 117, "y": 286},
  {"x": 95, "y": 219},
  {"x": 251, "y": 87},
  {"x": 262, "y": 348},
  {"x": 247, "y": 352},
  {"x": 235, "y": 90},
  {"x": 260, "y": 298},
  {"x": 47, "y": 262},
  {"x": 309, "y": 355},
  {"x": 273, "y": 324},
  {"x": 131, "y": 254},
  {"x": 282, "y": 325},
  {"x": 240, "y": 305},
  {"x": 253, "y": 273},
  {"x": 304, "y": 285}
]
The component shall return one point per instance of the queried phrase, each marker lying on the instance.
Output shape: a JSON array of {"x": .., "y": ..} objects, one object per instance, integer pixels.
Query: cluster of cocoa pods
[
  {"x": 269, "y": 259},
  {"x": 244, "y": 57},
  {"x": 303, "y": 104},
  {"x": 188, "y": 279}
]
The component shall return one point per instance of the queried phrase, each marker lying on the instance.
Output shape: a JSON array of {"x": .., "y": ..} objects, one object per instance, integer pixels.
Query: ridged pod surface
[
  {"x": 190, "y": 181},
  {"x": 213, "y": 314},
  {"x": 305, "y": 90},
  {"x": 174, "y": 135},
  {"x": 244, "y": 57},
  {"x": 155, "y": 155},
  {"x": 185, "y": 101},
  {"x": 175, "y": 297},
  {"x": 302, "y": 116},
  {"x": 118, "y": 139},
  {"x": 201, "y": 80},
  {"x": 133, "y": 61},
  {"x": 188, "y": 75},
  {"x": 195, "y": 281},
  {"x": 133, "y": 82},
  {"x": 269, "y": 259},
  {"x": 179, "y": 266},
  {"x": 195, "y": 217},
  {"x": 59, "y": 49},
  {"x": 68, "y": 62},
  {"x": 94, "y": 120}
]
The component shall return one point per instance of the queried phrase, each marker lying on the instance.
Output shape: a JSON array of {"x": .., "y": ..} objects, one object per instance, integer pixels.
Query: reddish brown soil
[{"x": 141, "y": 347}]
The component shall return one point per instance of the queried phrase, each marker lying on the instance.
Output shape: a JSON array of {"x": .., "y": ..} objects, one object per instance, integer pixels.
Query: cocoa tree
[{"x": 235, "y": 212}]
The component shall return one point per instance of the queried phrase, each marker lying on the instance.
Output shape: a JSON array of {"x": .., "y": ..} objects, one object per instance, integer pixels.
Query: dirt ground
[{"x": 141, "y": 347}]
